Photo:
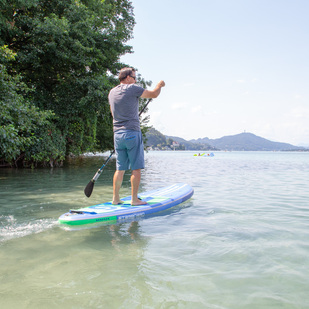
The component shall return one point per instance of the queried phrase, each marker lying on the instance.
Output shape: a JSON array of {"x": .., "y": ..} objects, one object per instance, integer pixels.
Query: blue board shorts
[{"x": 129, "y": 150}]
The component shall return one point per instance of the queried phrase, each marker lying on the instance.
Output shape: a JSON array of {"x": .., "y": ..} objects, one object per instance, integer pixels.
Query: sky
[{"x": 230, "y": 66}]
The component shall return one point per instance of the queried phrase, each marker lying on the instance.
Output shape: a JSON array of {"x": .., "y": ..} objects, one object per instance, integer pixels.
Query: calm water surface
[{"x": 240, "y": 242}]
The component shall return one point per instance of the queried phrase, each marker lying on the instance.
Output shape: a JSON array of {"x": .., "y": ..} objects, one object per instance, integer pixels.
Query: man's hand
[
  {"x": 152, "y": 94},
  {"x": 161, "y": 84}
]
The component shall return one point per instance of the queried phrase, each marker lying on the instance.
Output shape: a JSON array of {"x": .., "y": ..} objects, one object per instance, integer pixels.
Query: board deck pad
[{"x": 157, "y": 200}]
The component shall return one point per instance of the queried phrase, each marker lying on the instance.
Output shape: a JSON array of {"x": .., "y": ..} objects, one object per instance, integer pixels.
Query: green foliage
[
  {"x": 66, "y": 52},
  {"x": 144, "y": 118},
  {"x": 48, "y": 149},
  {"x": 19, "y": 120}
]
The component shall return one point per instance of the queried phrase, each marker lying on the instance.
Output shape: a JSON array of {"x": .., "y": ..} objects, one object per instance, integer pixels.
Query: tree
[
  {"x": 67, "y": 53},
  {"x": 21, "y": 124}
]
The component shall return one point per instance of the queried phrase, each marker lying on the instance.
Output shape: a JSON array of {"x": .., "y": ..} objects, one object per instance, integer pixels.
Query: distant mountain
[
  {"x": 246, "y": 142},
  {"x": 238, "y": 142}
]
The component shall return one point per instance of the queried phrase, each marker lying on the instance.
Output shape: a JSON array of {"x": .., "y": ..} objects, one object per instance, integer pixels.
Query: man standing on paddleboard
[{"x": 128, "y": 142}]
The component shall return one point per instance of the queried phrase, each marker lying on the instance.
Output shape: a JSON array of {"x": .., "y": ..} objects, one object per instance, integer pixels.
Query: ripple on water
[{"x": 11, "y": 228}]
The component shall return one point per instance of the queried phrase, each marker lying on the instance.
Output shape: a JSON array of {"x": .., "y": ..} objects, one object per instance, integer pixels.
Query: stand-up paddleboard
[
  {"x": 157, "y": 200},
  {"x": 204, "y": 155},
  {"x": 199, "y": 155}
]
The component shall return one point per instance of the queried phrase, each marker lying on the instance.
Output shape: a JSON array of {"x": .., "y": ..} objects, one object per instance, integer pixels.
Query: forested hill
[
  {"x": 239, "y": 142},
  {"x": 159, "y": 141}
]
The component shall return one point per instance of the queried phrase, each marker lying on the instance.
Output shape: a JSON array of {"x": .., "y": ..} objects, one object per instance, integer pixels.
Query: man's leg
[
  {"x": 135, "y": 181},
  {"x": 117, "y": 182}
]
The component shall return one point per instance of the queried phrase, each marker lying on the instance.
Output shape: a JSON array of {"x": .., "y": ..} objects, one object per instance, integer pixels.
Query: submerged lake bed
[{"x": 241, "y": 241}]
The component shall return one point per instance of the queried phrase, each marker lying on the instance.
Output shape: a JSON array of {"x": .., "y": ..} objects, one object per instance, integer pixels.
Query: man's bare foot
[{"x": 138, "y": 203}]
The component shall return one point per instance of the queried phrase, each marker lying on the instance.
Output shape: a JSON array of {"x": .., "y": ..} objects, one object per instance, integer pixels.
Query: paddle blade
[{"x": 89, "y": 188}]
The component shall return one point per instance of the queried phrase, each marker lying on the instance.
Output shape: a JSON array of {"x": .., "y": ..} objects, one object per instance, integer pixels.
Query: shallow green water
[{"x": 240, "y": 242}]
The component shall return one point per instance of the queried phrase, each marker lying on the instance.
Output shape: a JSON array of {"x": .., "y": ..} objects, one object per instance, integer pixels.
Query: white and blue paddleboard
[{"x": 157, "y": 200}]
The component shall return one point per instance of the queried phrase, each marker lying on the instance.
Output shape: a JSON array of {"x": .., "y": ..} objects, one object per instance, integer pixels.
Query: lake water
[{"x": 241, "y": 241}]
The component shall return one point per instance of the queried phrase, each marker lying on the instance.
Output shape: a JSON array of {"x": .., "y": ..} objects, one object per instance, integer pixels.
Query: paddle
[{"x": 89, "y": 188}]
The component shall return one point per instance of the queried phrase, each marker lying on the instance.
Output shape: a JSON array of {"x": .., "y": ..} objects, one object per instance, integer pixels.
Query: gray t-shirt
[{"x": 123, "y": 100}]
